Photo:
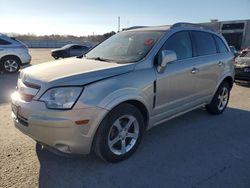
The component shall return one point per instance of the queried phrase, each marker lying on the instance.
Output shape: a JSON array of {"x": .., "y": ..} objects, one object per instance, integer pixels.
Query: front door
[{"x": 176, "y": 91}]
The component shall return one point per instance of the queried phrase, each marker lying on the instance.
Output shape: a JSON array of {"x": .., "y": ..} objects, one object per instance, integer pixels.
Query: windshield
[
  {"x": 125, "y": 47},
  {"x": 67, "y": 46}
]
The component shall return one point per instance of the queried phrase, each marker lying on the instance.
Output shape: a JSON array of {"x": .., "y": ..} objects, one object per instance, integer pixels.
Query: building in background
[{"x": 237, "y": 32}]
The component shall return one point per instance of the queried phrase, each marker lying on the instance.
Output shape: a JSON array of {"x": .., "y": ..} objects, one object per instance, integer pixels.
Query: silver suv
[
  {"x": 13, "y": 54},
  {"x": 133, "y": 81}
]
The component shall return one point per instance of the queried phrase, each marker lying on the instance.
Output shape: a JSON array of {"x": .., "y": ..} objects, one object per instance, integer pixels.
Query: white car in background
[{"x": 13, "y": 54}]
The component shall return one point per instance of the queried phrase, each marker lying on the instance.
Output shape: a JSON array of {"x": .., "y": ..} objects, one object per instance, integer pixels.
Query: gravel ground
[{"x": 194, "y": 150}]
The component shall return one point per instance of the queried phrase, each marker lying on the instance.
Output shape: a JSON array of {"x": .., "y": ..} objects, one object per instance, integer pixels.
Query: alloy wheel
[
  {"x": 123, "y": 134},
  {"x": 11, "y": 65},
  {"x": 223, "y": 98}
]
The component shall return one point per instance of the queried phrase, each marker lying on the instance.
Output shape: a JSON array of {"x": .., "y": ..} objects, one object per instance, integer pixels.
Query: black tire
[
  {"x": 101, "y": 144},
  {"x": 214, "y": 106},
  {"x": 10, "y": 64}
]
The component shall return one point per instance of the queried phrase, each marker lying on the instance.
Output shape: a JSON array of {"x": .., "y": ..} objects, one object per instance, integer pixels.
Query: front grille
[{"x": 23, "y": 121}]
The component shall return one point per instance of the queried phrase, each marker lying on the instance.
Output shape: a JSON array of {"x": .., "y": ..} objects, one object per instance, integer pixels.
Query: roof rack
[
  {"x": 186, "y": 24},
  {"x": 133, "y": 27}
]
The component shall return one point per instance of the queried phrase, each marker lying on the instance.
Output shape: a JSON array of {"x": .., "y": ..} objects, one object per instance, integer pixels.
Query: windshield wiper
[{"x": 101, "y": 59}]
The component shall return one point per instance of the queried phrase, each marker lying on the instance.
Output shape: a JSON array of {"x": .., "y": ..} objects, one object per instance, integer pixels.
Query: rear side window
[
  {"x": 76, "y": 47},
  {"x": 84, "y": 48},
  {"x": 4, "y": 42},
  {"x": 221, "y": 45},
  {"x": 181, "y": 44},
  {"x": 204, "y": 43}
]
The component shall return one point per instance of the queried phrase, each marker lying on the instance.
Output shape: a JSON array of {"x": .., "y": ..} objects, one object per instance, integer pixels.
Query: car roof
[
  {"x": 148, "y": 28},
  {"x": 178, "y": 27},
  {"x": 3, "y": 35}
]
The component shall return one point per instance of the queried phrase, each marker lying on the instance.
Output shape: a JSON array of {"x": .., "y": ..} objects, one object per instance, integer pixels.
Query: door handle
[
  {"x": 194, "y": 70},
  {"x": 220, "y": 63}
]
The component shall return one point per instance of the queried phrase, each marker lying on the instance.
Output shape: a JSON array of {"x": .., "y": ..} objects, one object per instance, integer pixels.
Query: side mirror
[{"x": 165, "y": 57}]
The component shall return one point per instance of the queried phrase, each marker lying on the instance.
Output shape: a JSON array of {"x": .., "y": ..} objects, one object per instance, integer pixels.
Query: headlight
[{"x": 61, "y": 97}]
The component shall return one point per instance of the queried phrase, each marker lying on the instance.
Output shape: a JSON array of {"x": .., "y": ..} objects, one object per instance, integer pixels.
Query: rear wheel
[
  {"x": 220, "y": 100},
  {"x": 119, "y": 134},
  {"x": 10, "y": 64}
]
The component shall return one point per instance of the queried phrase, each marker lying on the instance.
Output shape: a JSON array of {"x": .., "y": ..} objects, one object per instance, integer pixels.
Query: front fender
[{"x": 124, "y": 95}]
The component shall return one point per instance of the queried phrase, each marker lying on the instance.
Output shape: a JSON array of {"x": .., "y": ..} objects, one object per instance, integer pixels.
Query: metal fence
[{"x": 53, "y": 44}]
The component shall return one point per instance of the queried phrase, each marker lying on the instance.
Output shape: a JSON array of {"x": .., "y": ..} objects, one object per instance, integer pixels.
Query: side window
[
  {"x": 84, "y": 48},
  {"x": 181, "y": 44},
  {"x": 4, "y": 42},
  {"x": 76, "y": 48},
  {"x": 221, "y": 46},
  {"x": 204, "y": 42}
]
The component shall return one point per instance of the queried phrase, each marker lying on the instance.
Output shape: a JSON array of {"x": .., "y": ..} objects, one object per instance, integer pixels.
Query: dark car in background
[
  {"x": 69, "y": 50},
  {"x": 242, "y": 66}
]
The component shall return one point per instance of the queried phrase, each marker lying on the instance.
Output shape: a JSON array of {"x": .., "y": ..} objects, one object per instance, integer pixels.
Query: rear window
[
  {"x": 245, "y": 54},
  {"x": 221, "y": 45},
  {"x": 4, "y": 42},
  {"x": 204, "y": 43}
]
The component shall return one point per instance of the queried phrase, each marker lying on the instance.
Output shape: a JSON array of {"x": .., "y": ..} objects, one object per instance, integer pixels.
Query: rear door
[{"x": 209, "y": 63}]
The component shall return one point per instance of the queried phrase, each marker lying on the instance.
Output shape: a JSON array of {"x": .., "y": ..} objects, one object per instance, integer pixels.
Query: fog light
[{"x": 63, "y": 148}]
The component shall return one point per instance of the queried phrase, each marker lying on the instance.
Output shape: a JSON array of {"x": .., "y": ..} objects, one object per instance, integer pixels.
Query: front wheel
[
  {"x": 220, "y": 99},
  {"x": 119, "y": 134}
]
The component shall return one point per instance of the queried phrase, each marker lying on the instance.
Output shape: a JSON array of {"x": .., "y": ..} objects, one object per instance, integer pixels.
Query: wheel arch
[
  {"x": 13, "y": 56},
  {"x": 229, "y": 80},
  {"x": 141, "y": 107}
]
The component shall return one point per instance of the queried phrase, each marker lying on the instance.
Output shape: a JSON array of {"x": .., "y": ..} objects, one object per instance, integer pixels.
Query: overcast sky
[{"x": 82, "y": 17}]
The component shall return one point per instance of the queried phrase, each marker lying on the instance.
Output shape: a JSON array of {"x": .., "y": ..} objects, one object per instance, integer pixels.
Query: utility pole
[{"x": 119, "y": 23}]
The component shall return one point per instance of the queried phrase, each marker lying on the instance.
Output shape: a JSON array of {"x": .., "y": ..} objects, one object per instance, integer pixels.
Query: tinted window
[
  {"x": 76, "y": 47},
  {"x": 180, "y": 43},
  {"x": 221, "y": 45},
  {"x": 4, "y": 42},
  {"x": 233, "y": 26},
  {"x": 205, "y": 43},
  {"x": 84, "y": 48}
]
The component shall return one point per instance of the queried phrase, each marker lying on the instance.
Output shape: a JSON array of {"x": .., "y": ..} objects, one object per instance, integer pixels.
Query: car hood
[
  {"x": 72, "y": 71},
  {"x": 56, "y": 50}
]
